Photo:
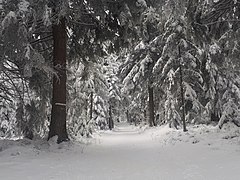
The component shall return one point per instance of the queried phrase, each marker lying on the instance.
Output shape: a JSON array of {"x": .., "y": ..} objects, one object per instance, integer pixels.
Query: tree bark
[
  {"x": 58, "y": 114},
  {"x": 127, "y": 115},
  {"x": 182, "y": 92},
  {"x": 145, "y": 115},
  {"x": 151, "y": 106},
  {"x": 91, "y": 106},
  {"x": 110, "y": 123}
]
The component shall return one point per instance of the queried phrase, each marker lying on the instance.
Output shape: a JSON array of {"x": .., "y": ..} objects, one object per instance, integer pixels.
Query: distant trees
[
  {"x": 136, "y": 71},
  {"x": 189, "y": 81}
]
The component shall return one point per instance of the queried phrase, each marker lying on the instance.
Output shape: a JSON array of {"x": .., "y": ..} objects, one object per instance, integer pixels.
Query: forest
[
  {"x": 70, "y": 67},
  {"x": 119, "y": 89}
]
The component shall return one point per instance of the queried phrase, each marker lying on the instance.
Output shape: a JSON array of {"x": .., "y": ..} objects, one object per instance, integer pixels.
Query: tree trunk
[
  {"x": 151, "y": 106},
  {"x": 58, "y": 114},
  {"x": 91, "y": 106},
  {"x": 145, "y": 115},
  {"x": 127, "y": 115},
  {"x": 182, "y": 93},
  {"x": 110, "y": 123}
]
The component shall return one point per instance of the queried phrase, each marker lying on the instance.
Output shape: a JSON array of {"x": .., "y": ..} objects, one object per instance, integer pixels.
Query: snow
[
  {"x": 10, "y": 17},
  {"x": 214, "y": 48},
  {"x": 129, "y": 153},
  {"x": 141, "y": 3},
  {"x": 141, "y": 45},
  {"x": 47, "y": 18},
  {"x": 24, "y": 6}
]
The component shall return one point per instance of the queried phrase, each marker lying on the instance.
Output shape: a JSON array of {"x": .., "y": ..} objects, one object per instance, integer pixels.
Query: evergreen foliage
[{"x": 180, "y": 56}]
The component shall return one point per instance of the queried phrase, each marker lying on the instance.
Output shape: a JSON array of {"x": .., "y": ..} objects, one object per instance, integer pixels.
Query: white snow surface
[{"x": 128, "y": 153}]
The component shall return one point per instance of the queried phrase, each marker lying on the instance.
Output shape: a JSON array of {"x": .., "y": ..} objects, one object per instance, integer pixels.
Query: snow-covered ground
[{"x": 128, "y": 153}]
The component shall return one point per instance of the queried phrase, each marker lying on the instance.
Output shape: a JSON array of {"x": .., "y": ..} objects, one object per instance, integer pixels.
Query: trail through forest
[{"x": 126, "y": 153}]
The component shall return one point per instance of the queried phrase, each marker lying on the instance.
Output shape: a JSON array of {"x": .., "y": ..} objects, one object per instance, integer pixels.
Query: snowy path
[{"x": 123, "y": 154}]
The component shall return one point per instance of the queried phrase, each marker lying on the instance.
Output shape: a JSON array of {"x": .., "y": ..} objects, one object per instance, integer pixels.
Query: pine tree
[
  {"x": 220, "y": 58},
  {"x": 58, "y": 114},
  {"x": 21, "y": 62},
  {"x": 178, "y": 64}
]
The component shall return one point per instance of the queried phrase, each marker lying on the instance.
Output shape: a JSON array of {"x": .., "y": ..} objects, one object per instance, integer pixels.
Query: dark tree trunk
[
  {"x": 127, "y": 115},
  {"x": 145, "y": 115},
  {"x": 151, "y": 106},
  {"x": 215, "y": 116},
  {"x": 182, "y": 93},
  {"x": 58, "y": 114},
  {"x": 110, "y": 123},
  {"x": 91, "y": 106}
]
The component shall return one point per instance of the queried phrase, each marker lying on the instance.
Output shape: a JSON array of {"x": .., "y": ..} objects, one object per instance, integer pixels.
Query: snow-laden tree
[
  {"x": 20, "y": 64},
  {"x": 182, "y": 57},
  {"x": 94, "y": 96},
  {"x": 48, "y": 30},
  {"x": 221, "y": 81},
  {"x": 177, "y": 68},
  {"x": 220, "y": 67},
  {"x": 86, "y": 83},
  {"x": 114, "y": 93},
  {"x": 136, "y": 71}
]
